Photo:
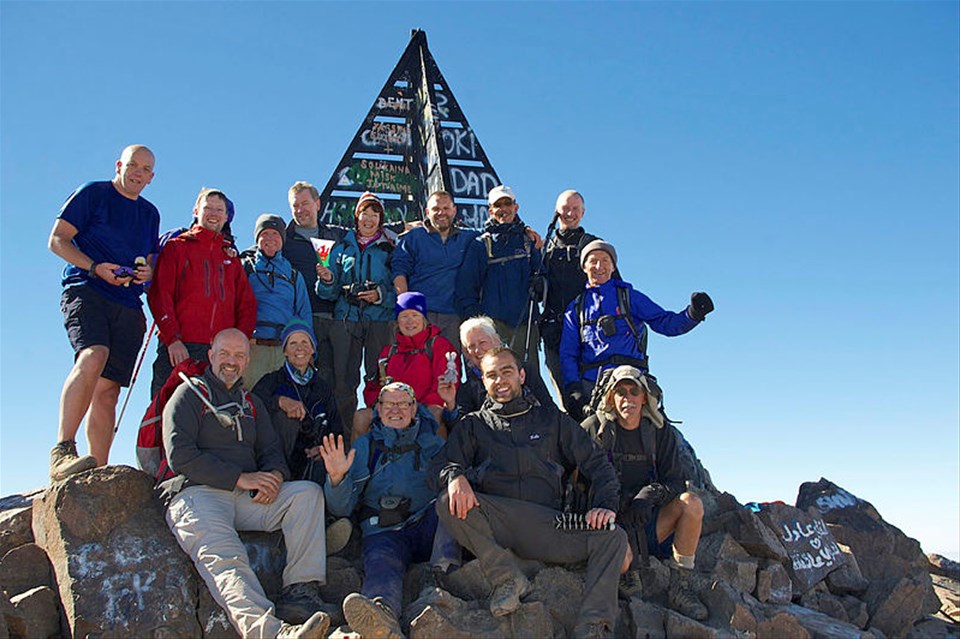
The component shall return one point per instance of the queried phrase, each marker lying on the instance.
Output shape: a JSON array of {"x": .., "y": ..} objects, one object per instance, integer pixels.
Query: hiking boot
[
  {"x": 506, "y": 596},
  {"x": 299, "y": 602},
  {"x": 371, "y": 618},
  {"x": 313, "y": 628},
  {"x": 338, "y": 535},
  {"x": 683, "y": 598},
  {"x": 64, "y": 461},
  {"x": 591, "y": 631}
]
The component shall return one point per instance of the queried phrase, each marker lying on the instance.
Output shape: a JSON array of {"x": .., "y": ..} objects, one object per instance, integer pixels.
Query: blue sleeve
[
  {"x": 302, "y": 309},
  {"x": 662, "y": 321},
  {"x": 342, "y": 498},
  {"x": 570, "y": 345},
  {"x": 331, "y": 291},
  {"x": 76, "y": 209},
  {"x": 402, "y": 260},
  {"x": 470, "y": 280}
]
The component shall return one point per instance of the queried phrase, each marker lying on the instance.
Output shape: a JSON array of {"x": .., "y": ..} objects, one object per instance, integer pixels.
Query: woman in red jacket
[{"x": 419, "y": 356}]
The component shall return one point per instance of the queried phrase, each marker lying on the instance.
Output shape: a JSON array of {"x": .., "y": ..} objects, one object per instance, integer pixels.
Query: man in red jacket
[{"x": 199, "y": 289}]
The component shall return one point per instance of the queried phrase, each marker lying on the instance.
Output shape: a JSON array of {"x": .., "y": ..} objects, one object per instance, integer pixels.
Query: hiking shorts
[
  {"x": 662, "y": 549},
  {"x": 93, "y": 320}
]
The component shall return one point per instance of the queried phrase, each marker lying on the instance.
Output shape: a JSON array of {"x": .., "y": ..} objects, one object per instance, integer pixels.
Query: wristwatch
[{"x": 92, "y": 273}]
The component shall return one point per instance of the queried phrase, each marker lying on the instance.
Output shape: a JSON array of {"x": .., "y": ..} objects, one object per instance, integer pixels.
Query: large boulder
[
  {"x": 119, "y": 570},
  {"x": 900, "y": 589},
  {"x": 811, "y": 548}
]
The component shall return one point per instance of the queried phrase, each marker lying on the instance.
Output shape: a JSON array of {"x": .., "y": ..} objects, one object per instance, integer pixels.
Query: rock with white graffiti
[{"x": 812, "y": 551}]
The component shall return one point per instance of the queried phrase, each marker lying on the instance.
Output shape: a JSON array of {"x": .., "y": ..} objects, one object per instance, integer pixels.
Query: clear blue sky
[{"x": 799, "y": 161}]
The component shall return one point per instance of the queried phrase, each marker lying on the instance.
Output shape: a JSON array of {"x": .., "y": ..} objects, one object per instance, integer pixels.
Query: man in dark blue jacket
[
  {"x": 605, "y": 326},
  {"x": 496, "y": 276}
]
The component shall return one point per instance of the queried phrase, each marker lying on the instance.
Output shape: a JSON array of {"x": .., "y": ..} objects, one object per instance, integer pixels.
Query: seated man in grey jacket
[{"x": 227, "y": 473}]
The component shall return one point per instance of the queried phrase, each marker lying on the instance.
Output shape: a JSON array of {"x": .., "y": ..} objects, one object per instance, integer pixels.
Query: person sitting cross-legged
[
  {"x": 661, "y": 518},
  {"x": 386, "y": 474}
]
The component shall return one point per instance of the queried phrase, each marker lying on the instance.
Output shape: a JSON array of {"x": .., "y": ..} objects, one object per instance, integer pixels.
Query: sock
[{"x": 684, "y": 561}]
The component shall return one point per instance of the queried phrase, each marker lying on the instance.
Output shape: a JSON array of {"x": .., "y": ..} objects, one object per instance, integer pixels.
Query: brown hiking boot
[
  {"x": 313, "y": 628},
  {"x": 506, "y": 596},
  {"x": 683, "y": 598},
  {"x": 64, "y": 461},
  {"x": 371, "y": 618}
]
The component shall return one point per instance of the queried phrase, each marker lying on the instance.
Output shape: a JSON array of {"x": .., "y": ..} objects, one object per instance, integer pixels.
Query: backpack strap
[
  {"x": 488, "y": 242},
  {"x": 623, "y": 308}
]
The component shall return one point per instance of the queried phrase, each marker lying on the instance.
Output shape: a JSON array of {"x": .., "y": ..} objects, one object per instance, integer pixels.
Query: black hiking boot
[
  {"x": 313, "y": 628},
  {"x": 371, "y": 618},
  {"x": 683, "y": 598},
  {"x": 506, "y": 596},
  {"x": 299, "y": 602},
  {"x": 64, "y": 461}
]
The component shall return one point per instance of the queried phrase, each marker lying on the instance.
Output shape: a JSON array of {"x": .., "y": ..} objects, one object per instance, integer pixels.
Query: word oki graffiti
[{"x": 413, "y": 141}]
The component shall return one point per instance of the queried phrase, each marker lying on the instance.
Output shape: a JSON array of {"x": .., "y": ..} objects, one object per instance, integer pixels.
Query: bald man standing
[{"x": 108, "y": 236}]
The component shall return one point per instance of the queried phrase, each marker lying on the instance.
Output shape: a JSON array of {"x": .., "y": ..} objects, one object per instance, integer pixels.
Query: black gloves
[
  {"x": 574, "y": 400},
  {"x": 641, "y": 507},
  {"x": 700, "y": 306}
]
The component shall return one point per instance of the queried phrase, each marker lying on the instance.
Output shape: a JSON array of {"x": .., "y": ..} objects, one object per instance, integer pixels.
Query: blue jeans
[{"x": 386, "y": 556}]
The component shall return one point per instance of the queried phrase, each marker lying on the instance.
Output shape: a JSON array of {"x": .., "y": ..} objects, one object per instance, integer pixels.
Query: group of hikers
[{"x": 460, "y": 447}]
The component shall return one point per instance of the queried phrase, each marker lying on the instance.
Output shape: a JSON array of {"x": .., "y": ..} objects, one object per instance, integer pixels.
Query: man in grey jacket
[
  {"x": 503, "y": 469},
  {"x": 229, "y": 474}
]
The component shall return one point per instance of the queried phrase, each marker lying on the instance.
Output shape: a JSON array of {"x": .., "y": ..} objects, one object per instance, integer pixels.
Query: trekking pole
[
  {"x": 540, "y": 274},
  {"x": 133, "y": 378}
]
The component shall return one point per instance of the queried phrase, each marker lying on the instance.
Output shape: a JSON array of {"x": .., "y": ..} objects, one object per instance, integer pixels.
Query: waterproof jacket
[
  {"x": 660, "y": 465},
  {"x": 352, "y": 264},
  {"x": 300, "y": 253},
  {"x": 472, "y": 394},
  {"x": 201, "y": 451},
  {"x": 565, "y": 279},
  {"x": 411, "y": 365},
  {"x": 526, "y": 451},
  {"x": 585, "y": 351},
  {"x": 198, "y": 289},
  {"x": 495, "y": 277},
  {"x": 280, "y": 291},
  {"x": 430, "y": 264},
  {"x": 399, "y": 466},
  {"x": 322, "y": 417}
]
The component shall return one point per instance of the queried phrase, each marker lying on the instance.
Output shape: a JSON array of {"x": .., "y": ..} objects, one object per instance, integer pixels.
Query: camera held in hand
[{"x": 352, "y": 291}]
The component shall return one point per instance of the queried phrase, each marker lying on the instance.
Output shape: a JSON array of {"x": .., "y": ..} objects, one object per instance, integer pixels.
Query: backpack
[
  {"x": 248, "y": 258},
  {"x": 151, "y": 457},
  {"x": 623, "y": 306}
]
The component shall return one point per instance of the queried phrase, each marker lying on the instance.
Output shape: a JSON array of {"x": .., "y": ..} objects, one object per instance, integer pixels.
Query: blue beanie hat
[
  {"x": 411, "y": 301},
  {"x": 296, "y": 326}
]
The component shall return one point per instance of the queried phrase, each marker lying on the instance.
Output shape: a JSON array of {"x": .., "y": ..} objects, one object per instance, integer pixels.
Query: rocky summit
[{"x": 92, "y": 556}]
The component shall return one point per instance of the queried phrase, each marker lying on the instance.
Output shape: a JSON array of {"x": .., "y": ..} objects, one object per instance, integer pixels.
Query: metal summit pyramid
[{"x": 414, "y": 140}]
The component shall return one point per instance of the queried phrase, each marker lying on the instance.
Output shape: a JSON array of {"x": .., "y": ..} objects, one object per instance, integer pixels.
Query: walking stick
[{"x": 133, "y": 378}]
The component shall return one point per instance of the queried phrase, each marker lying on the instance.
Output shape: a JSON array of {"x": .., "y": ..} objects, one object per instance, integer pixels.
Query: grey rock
[
  {"x": 756, "y": 538},
  {"x": 934, "y": 628},
  {"x": 648, "y": 619},
  {"x": 782, "y": 625},
  {"x": 679, "y": 626},
  {"x": 774, "y": 584},
  {"x": 730, "y": 608},
  {"x": 894, "y": 605},
  {"x": 739, "y": 573},
  {"x": 811, "y": 548},
  {"x": 847, "y": 579},
  {"x": 119, "y": 570},
  {"x": 944, "y": 567},
  {"x": 15, "y": 528},
  {"x": 443, "y": 615},
  {"x": 816, "y": 624},
  {"x": 12, "y": 624},
  {"x": 40, "y": 610},
  {"x": 719, "y": 545},
  {"x": 24, "y": 568},
  {"x": 467, "y": 582},
  {"x": 856, "y": 611},
  {"x": 655, "y": 580},
  {"x": 561, "y": 592}
]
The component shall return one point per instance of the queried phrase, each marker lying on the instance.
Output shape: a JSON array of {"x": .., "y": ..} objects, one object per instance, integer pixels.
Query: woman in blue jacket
[{"x": 360, "y": 281}]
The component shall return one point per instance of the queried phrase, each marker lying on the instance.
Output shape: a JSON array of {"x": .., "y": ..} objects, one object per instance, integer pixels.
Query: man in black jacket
[
  {"x": 504, "y": 469},
  {"x": 298, "y": 249},
  {"x": 662, "y": 518}
]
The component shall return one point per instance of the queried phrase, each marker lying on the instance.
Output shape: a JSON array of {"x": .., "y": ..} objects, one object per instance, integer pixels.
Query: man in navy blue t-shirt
[{"x": 108, "y": 234}]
